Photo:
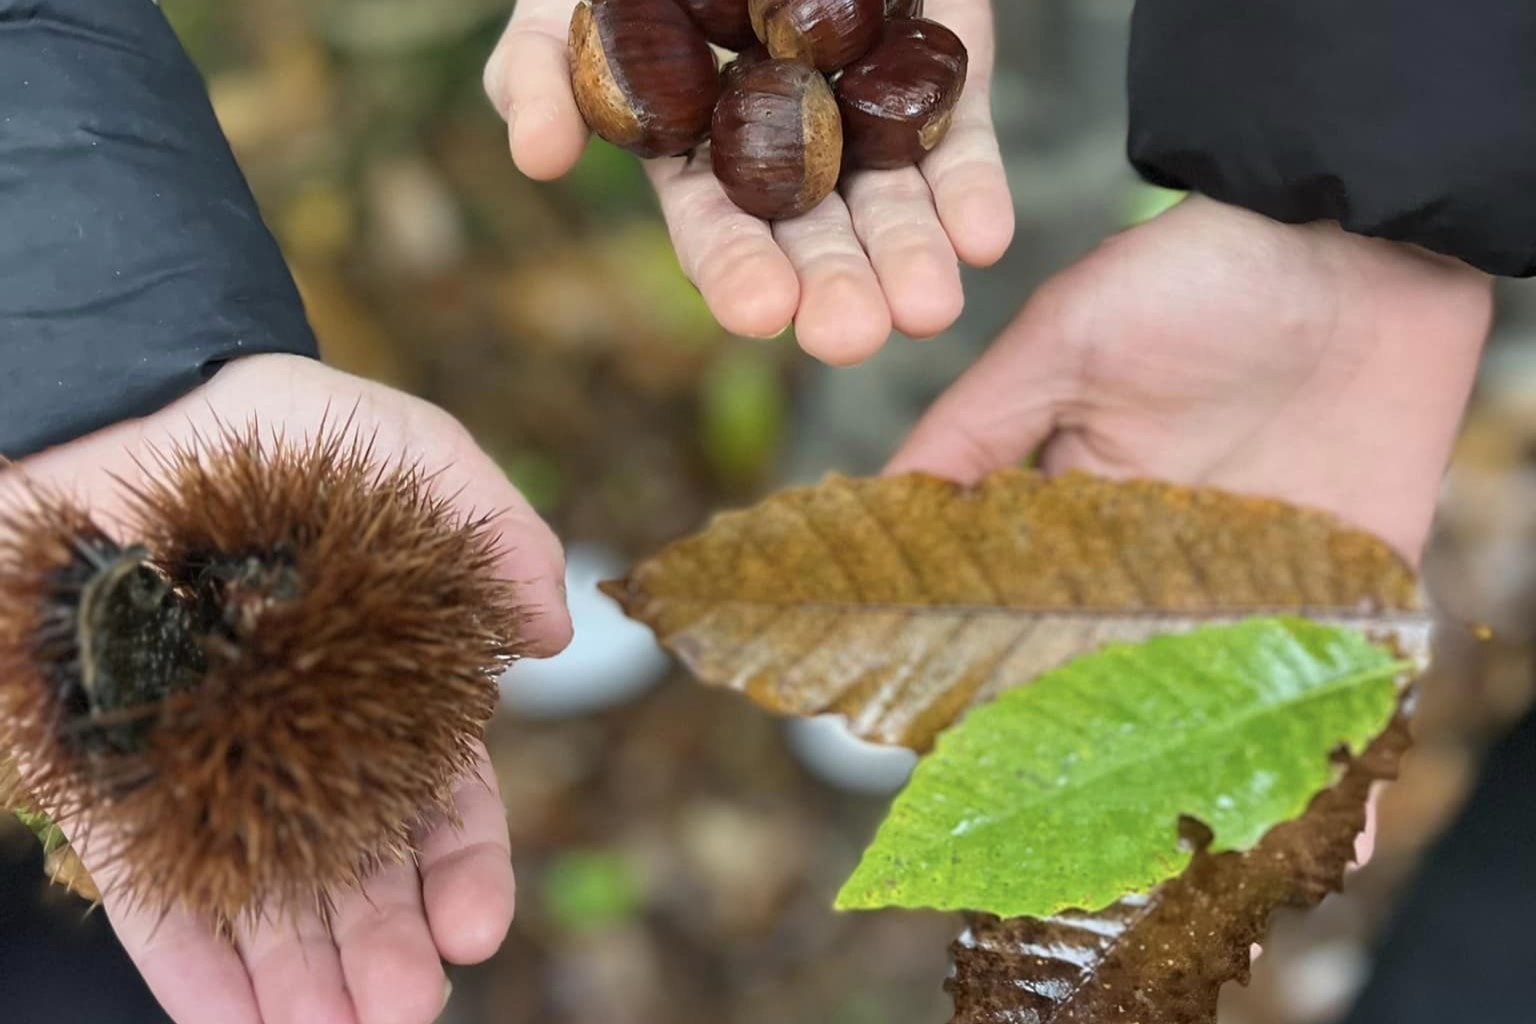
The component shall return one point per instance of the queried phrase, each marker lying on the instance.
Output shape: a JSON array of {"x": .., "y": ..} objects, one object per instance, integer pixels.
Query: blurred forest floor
[{"x": 676, "y": 860}]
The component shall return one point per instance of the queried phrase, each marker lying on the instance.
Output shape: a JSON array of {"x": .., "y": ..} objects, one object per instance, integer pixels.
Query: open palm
[
  {"x": 1215, "y": 346},
  {"x": 380, "y": 958},
  {"x": 884, "y": 253}
]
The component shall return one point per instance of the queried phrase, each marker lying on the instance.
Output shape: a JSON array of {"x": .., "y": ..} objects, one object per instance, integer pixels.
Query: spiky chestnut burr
[{"x": 253, "y": 705}]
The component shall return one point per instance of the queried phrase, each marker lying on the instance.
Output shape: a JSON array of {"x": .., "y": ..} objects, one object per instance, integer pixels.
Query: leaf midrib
[{"x": 1341, "y": 612}]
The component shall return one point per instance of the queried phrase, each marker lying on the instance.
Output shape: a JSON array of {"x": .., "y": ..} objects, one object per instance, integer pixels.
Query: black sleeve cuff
[
  {"x": 133, "y": 260},
  {"x": 1409, "y": 120}
]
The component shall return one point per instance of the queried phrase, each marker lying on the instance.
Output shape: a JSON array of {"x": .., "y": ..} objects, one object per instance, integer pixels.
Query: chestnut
[
  {"x": 725, "y": 23},
  {"x": 830, "y": 34},
  {"x": 903, "y": 8},
  {"x": 897, "y": 102},
  {"x": 777, "y": 143},
  {"x": 752, "y": 55},
  {"x": 644, "y": 76}
]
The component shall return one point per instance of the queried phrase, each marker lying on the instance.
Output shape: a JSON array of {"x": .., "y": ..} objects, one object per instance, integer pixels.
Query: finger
[
  {"x": 894, "y": 219},
  {"x": 387, "y": 955},
  {"x": 402, "y": 426},
  {"x": 301, "y": 395},
  {"x": 1000, "y": 409},
  {"x": 295, "y": 971},
  {"x": 193, "y": 974},
  {"x": 970, "y": 188},
  {"x": 731, "y": 257},
  {"x": 531, "y": 556},
  {"x": 1365, "y": 845},
  {"x": 466, "y": 872},
  {"x": 1365, "y": 842},
  {"x": 843, "y": 318},
  {"x": 528, "y": 79}
]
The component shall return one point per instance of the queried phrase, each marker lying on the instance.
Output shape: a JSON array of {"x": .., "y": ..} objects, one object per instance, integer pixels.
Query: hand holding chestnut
[
  {"x": 643, "y": 73},
  {"x": 838, "y": 191}
]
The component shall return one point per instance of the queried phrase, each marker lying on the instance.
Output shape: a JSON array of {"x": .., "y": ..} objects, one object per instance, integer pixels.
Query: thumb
[
  {"x": 528, "y": 79},
  {"x": 1002, "y": 408}
]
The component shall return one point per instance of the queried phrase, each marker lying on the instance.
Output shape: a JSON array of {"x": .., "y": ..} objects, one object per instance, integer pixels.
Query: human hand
[
  {"x": 1215, "y": 346},
  {"x": 380, "y": 959},
  {"x": 884, "y": 252}
]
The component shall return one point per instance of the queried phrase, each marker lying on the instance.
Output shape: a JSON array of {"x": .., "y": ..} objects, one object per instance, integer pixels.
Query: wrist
[
  {"x": 1396, "y": 281},
  {"x": 1333, "y": 240}
]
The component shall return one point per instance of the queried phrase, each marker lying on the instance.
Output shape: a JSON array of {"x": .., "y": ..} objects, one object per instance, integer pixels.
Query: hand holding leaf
[{"x": 1169, "y": 702}]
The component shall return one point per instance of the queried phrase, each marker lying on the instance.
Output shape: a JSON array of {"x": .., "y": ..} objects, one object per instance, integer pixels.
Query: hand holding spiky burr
[{"x": 265, "y": 718}]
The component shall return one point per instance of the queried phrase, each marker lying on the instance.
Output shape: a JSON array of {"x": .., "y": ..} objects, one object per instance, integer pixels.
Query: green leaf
[
  {"x": 41, "y": 826},
  {"x": 1067, "y": 794},
  {"x": 1146, "y": 202}
]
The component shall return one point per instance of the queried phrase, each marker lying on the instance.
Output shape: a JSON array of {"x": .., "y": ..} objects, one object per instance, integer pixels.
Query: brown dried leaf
[
  {"x": 64, "y": 867},
  {"x": 12, "y": 798},
  {"x": 902, "y": 601},
  {"x": 1162, "y": 958}
]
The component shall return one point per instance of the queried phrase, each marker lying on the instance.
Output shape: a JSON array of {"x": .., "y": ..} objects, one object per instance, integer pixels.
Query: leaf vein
[{"x": 1114, "y": 768}]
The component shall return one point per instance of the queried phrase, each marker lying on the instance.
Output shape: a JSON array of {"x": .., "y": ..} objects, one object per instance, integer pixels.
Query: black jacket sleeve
[
  {"x": 1411, "y": 120},
  {"x": 133, "y": 261}
]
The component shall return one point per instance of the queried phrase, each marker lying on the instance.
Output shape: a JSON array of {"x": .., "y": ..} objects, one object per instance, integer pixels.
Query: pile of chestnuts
[{"x": 815, "y": 88}]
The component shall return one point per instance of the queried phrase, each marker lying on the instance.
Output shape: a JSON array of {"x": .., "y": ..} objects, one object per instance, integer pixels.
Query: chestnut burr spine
[{"x": 352, "y": 628}]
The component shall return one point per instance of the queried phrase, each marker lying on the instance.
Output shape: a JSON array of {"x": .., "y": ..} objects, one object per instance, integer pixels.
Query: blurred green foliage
[
  {"x": 591, "y": 890},
  {"x": 1144, "y": 202},
  {"x": 537, "y": 476},
  {"x": 609, "y": 182},
  {"x": 742, "y": 412}
]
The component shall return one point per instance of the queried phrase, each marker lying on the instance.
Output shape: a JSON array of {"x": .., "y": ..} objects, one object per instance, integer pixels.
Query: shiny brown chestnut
[
  {"x": 830, "y": 34},
  {"x": 752, "y": 55},
  {"x": 903, "y": 8},
  {"x": 644, "y": 76},
  {"x": 777, "y": 142},
  {"x": 725, "y": 23},
  {"x": 898, "y": 101}
]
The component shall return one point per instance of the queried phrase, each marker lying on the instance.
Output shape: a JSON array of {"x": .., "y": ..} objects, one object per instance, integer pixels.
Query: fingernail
[
  {"x": 447, "y": 994},
  {"x": 782, "y": 332}
]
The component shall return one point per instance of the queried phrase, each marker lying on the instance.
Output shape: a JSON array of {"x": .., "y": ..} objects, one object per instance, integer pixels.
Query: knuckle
[
  {"x": 899, "y": 188},
  {"x": 901, "y": 239}
]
